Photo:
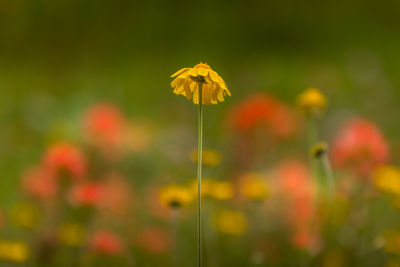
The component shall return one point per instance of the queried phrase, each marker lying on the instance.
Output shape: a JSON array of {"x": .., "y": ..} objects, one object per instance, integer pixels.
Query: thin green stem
[
  {"x": 326, "y": 164},
  {"x": 199, "y": 166},
  {"x": 174, "y": 226}
]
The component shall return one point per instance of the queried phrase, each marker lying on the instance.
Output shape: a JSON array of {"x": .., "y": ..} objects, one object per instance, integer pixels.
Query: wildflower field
[{"x": 209, "y": 134}]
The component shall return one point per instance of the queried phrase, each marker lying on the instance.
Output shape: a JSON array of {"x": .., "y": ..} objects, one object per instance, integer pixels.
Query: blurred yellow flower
[
  {"x": 230, "y": 222},
  {"x": 334, "y": 258},
  {"x": 175, "y": 196},
  {"x": 220, "y": 190},
  {"x": 210, "y": 157},
  {"x": 392, "y": 241},
  {"x": 187, "y": 83},
  {"x": 24, "y": 215},
  {"x": 71, "y": 234},
  {"x": 387, "y": 179},
  {"x": 253, "y": 187},
  {"x": 319, "y": 149},
  {"x": 392, "y": 263},
  {"x": 14, "y": 251},
  {"x": 312, "y": 101}
]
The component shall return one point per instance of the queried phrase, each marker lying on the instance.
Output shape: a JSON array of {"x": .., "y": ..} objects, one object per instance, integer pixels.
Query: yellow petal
[
  {"x": 214, "y": 76},
  {"x": 188, "y": 92},
  {"x": 193, "y": 72},
  {"x": 226, "y": 90},
  {"x": 176, "y": 82},
  {"x": 179, "y": 72},
  {"x": 202, "y": 71},
  {"x": 196, "y": 94},
  {"x": 207, "y": 93}
]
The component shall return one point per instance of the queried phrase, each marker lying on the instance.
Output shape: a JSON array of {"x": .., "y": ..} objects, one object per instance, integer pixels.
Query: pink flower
[{"x": 359, "y": 145}]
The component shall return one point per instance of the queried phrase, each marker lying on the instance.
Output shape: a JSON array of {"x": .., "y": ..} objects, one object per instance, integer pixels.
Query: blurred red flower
[
  {"x": 263, "y": 111},
  {"x": 305, "y": 239},
  {"x": 359, "y": 145},
  {"x": 103, "y": 125},
  {"x": 106, "y": 242},
  {"x": 87, "y": 193},
  {"x": 118, "y": 197},
  {"x": 154, "y": 240},
  {"x": 65, "y": 158},
  {"x": 39, "y": 183},
  {"x": 299, "y": 190},
  {"x": 298, "y": 187}
]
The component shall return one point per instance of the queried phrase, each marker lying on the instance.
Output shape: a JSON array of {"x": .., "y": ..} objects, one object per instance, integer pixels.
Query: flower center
[{"x": 199, "y": 79}]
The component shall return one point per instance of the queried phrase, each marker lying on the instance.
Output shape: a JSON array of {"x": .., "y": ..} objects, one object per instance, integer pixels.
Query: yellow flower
[
  {"x": 319, "y": 149},
  {"x": 387, "y": 179},
  {"x": 187, "y": 83},
  {"x": 24, "y": 215},
  {"x": 392, "y": 244},
  {"x": 392, "y": 263},
  {"x": 71, "y": 234},
  {"x": 210, "y": 157},
  {"x": 312, "y": 101},
  {"x": 175, "y": 196},
  {"x": 230, "y": 222},
  {"x": 14, "y": 251},
  {"x": 253, "y": 187},
  {"x": 220, "y": 190}
]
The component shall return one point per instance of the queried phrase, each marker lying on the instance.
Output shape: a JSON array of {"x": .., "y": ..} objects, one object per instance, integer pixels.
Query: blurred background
[{"x": 61, "y": 57}]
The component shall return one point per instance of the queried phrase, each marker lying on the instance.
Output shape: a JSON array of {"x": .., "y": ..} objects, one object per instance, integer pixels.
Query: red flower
[
  {"x": 65, "y": 158},
  {"x": 305, "y": 239},
  {"x": 88, "y": 194},
  {"x": 266, "y": 112},
  {"x": 106, "y": 242},
  {"x": 299, "y": 189},
  {"x": 360, "y": 145},
  {"x": 154, "y": 240},
  {"x": 38, "y": 182},
  {"x": 104, "y": 125},
  {"x": 118, "y": 196}
]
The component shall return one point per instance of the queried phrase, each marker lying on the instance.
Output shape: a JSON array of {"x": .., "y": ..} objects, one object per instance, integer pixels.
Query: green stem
[
  {"x": 199, "y": 166},
  {"x": 329, "y": 175},
  {"x": 174, "y": 226}
]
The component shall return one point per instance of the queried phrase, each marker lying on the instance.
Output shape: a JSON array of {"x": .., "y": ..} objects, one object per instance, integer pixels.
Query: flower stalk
[
  {"x": 203, "y": 86},
  {"x": 199, "y": 168}
]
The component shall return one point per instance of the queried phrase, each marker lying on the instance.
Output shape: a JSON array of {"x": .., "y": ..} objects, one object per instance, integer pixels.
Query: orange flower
[
  {"x": 263, "y": 111},
  {"x": 65, "y": 158},
  {"x": 359, "y": 145},
  {"x": 106, "y": 242}
]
